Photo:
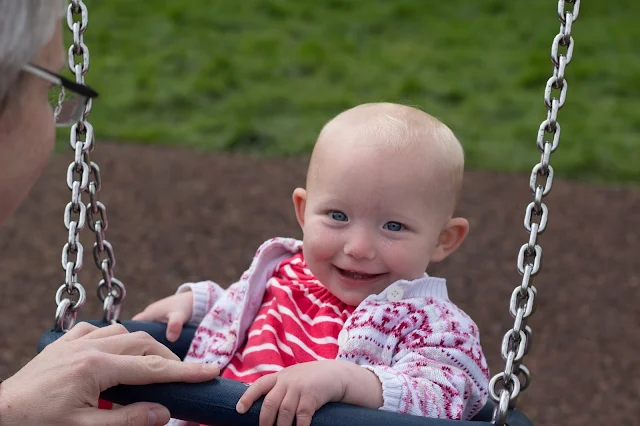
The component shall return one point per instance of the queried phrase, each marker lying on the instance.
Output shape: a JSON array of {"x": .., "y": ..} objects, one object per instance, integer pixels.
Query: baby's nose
[{"x": 360, "y": 247}]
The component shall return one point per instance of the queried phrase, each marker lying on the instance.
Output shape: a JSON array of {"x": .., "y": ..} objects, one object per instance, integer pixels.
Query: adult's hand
[{"x": 61, "y": 385}]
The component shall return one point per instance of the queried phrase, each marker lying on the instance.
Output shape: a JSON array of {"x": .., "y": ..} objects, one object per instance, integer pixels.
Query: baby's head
[{"x": 382, "y": 186}]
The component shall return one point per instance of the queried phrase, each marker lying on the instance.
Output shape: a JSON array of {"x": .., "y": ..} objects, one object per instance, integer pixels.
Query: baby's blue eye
[
  {"x": 394, "y": 226},
  {"x": 339, "y": 216}
]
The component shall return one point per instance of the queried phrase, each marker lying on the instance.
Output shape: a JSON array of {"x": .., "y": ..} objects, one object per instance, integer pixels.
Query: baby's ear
[
  {"x": 451, "y": 236},
  {"x": 299, "y": 204}
]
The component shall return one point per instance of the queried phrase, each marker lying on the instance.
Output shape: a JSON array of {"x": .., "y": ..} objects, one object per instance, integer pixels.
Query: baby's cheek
[
  {"x": 317, "y": 255},
  {"x": 320, "y": 243},
  {"x": 409, "y": 262}
]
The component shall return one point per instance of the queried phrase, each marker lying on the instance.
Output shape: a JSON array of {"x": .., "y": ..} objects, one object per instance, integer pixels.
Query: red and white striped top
[
  {"x": 423, "y": 348},
  {"x": 299, "y": 321}
]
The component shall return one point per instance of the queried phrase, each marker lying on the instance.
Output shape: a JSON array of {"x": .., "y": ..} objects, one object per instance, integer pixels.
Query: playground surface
[{"x": 176, "y": 215}]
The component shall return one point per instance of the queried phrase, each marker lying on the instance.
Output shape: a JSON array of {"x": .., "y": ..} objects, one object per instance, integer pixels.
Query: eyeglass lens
[{"x": 68, "y": 106}]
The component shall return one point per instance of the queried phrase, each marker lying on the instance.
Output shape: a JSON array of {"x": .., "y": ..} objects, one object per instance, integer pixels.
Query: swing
[{"x": 214, "y": 402}]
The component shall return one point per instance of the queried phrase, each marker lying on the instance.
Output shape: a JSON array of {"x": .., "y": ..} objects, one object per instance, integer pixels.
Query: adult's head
[{"x": 30, "y": 33}]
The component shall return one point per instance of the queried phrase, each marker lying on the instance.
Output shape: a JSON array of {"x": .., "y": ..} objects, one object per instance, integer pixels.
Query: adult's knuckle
[
  {"x": 145, "y": 339},
  {"x": 119, "y": 328},
  {"x": 88, "y": 361},
  {"x": 132, "y": 418},
  {"x": 126, "y": 418},
  {"x": 155, "y": 363},
  {"x": 142, "y": 335},
  {"x": 84, "y": 327}
]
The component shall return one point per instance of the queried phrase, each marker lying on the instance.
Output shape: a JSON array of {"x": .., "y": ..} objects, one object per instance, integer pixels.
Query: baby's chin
[
  {"x": 352, "y": 300},
  {"x": 353, "y": 297}
]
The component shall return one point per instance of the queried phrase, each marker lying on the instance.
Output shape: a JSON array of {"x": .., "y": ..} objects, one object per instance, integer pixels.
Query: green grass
[{"x": 262, "y": 76}]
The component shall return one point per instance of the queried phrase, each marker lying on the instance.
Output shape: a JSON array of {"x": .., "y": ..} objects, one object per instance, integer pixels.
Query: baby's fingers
[
  {"x": 272, "y": 407},
  {"x": 174, "y": 325},
  {"x": 307, "y": 406},
  {"x": 260, "y": 387},
  {"x": 143, "y": 316},
  {"x": 153, "y": 312},
  {"x": 288, "y": 408}
]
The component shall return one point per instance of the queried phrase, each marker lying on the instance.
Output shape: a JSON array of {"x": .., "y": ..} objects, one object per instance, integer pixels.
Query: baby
[{"x": 349, "y": 313}]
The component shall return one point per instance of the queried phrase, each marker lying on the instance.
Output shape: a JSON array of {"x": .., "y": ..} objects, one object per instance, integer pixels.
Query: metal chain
[
  {"x": 517, "y": 341},
  {"x": 110, "y": 291},
  {"x": 75, "y": 212}
]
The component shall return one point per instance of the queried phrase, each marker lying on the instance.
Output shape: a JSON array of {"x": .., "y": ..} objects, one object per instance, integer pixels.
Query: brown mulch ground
[{"x": 176, "y": 216}]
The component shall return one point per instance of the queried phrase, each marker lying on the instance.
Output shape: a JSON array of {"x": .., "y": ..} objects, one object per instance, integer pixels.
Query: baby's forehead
[
  {"x": 369, "y": 169},
  {"x": 410, "y": 142}
]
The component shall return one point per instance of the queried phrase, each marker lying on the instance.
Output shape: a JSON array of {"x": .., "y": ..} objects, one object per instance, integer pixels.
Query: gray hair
[{"x": 25, "y": 27}]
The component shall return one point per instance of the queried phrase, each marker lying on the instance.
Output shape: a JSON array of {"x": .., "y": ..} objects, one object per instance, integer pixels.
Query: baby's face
[{"x": 369, "y": 220}]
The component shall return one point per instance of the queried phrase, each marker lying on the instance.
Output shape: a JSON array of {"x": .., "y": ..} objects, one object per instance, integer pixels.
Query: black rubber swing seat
[{"x": 213, "y": 403}]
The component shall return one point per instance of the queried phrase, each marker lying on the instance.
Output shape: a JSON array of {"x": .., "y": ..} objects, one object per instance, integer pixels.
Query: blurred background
[
  {"x": 263, "y": 76},
  {"x": 208, "y": 111}
]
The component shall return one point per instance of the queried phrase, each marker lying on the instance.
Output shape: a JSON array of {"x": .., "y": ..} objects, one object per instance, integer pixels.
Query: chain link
[
  {"x": 83, "y": 175},
  {"x": 506, "y": 386}
]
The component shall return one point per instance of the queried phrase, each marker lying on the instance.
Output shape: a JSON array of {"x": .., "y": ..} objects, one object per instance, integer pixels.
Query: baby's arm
[
  {"x": 188, "y": 306},
  {"x": 205, "y": 295},
  {"x": 438, "y": 370}
]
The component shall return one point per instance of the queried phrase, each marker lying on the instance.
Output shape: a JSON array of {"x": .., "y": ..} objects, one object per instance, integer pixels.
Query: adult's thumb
[{"x": 138, "y": 414}]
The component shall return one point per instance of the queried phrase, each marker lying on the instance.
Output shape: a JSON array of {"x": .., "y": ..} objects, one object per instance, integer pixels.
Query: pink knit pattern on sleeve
[{"x": 426, "y": 353}]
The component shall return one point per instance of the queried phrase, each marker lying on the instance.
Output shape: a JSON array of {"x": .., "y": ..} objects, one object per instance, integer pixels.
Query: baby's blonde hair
[{"x": 404, "y": 128}]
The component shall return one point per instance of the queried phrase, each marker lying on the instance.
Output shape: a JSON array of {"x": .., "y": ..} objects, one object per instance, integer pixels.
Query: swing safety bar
[{"x": 213, "y": 403}]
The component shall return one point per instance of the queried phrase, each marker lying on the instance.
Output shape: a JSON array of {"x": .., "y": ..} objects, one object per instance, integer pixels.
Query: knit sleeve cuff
[
  {"x": 391, "y": 387},
  {"x": 202, "y": 300}
]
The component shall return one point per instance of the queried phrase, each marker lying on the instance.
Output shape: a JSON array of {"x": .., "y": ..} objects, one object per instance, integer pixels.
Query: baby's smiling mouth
[{"x": 357, "y": 275}]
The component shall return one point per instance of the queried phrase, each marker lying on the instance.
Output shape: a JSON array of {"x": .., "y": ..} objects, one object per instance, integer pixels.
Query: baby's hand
[
  {"x": 175, "y": 310},
  {"x": 296, "y": 392}
]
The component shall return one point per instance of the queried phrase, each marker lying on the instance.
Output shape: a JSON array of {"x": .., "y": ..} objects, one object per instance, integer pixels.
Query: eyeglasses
[{"x": 69, "y": 104}]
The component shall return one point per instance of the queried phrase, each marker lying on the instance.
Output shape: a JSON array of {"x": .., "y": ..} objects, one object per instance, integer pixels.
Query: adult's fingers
[
  {"x": 79, "y": 330},
  {"x": 138, "y": 414},
  {"x": 143, "y": 370},
  {"x": 115, "y": 339},
  {"x": 136, "y": 343},
  {"x": 102, "y": 332}
]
